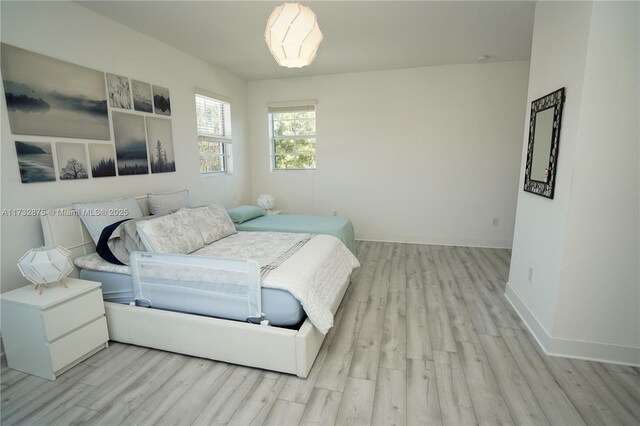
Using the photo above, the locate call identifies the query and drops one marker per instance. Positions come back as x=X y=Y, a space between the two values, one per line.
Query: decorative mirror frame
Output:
x=553 y=100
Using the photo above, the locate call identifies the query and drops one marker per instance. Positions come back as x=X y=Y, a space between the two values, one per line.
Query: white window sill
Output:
x=293 y=170
x=213 y=174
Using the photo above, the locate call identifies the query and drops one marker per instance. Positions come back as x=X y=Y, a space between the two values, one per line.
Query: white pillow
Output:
x=99 y=215
x=168 y=202
x=177 y=233
x=214 y=222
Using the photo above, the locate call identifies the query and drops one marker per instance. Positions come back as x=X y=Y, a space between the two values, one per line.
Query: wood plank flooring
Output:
x=424 y=336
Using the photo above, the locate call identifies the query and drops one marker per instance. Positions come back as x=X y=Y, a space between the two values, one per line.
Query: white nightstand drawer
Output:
x=70 y=315
x=78 y=343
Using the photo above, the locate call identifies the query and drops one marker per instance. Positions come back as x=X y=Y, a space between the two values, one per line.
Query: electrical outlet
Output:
x=530 y=274
x=495 y=221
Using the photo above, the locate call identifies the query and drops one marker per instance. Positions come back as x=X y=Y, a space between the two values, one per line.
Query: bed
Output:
x=289 y=350
x=339 y=227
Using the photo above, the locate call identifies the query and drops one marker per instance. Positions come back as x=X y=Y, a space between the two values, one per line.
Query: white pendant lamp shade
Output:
x=293 y=35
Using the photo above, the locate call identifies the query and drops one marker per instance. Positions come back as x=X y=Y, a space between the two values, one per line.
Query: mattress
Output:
x=339 y=227
x=314 y=269
x=279 y=306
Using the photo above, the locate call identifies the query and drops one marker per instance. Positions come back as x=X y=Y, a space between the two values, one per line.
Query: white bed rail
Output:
x=166 y=280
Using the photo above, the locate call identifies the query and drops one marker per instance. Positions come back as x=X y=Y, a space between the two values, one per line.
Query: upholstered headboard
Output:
x=63 y=227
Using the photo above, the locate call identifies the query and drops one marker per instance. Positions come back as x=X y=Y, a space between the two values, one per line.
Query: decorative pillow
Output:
x=119 y=240
x=168 y=202
x=244 y=213
x=177 y=233
x=97 y=216
x=214 y=222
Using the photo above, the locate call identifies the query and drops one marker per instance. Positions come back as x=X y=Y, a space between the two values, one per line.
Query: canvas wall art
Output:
x=103 y=160
x=142 y=100
x=131 y=144
x=119 y=93
x=161 y=100
x=160 y=138
x=50 y=97
x=35 y=160
x=72 y=161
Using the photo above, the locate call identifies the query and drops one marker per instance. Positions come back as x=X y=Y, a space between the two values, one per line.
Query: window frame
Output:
x=222 y=155
x=225 y=141
x=273 y=138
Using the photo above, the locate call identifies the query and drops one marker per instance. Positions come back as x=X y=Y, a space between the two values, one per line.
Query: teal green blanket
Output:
x=339 y=227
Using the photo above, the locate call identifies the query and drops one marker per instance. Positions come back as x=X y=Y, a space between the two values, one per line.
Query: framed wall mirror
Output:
x=544 y=141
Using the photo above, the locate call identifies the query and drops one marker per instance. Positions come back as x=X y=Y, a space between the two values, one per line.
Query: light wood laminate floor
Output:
x=424 y=336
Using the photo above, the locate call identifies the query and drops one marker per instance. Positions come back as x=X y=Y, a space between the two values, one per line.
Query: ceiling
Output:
x=358 y=35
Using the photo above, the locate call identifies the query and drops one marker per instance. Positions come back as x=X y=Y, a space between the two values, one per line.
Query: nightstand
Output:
x=47 y=334
x=274 y=211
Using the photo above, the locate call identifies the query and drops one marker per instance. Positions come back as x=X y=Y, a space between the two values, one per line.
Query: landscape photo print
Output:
x=161 y=100
x=131 y=144
x=35 y=160
x=161 y=153
x=141 y=96
x=72 y=161
x=119 y=92
x=49 y=97
x=103 y=160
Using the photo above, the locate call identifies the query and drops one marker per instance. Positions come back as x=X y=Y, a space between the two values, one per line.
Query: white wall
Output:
x=584 y=245
x=73 y=33
x=600 y=279
x=425 y=155
x=558 y=57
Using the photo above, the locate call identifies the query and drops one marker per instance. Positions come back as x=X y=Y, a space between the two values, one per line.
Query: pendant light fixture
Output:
x=293 y=35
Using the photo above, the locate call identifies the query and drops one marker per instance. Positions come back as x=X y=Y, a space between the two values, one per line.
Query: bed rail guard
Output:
x=197 y=284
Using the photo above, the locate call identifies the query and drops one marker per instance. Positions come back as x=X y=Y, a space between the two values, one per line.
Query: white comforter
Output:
x=316 y=274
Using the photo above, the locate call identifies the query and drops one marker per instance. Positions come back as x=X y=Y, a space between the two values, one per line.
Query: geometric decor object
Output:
x=266 y=201
x=293 y=35
x=43 y=266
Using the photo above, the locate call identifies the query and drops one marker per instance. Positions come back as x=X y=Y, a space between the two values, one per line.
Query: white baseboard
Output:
x=595 y=351
x=535 y=327
x=417 y=239
x=568 y=348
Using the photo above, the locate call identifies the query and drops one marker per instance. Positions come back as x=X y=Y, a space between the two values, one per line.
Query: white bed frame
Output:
x=270 y=348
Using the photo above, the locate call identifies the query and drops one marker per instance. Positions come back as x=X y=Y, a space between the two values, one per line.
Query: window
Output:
x=214 y=134
x=293 y=137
